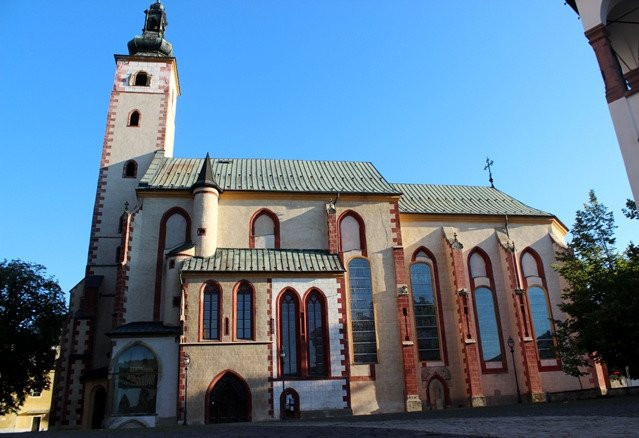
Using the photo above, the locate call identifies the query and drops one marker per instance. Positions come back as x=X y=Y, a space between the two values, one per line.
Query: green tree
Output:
x=32 y=311
x=631 y=209
x=602 y=300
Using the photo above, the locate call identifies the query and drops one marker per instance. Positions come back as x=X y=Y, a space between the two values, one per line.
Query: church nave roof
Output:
x=270 y=175
x=451 y=199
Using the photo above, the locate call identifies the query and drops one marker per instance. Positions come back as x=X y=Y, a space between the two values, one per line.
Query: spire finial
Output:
x=152 y=42
x=488 y=165
x=206 y=178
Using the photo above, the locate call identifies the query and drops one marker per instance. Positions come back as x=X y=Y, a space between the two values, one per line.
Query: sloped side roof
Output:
x=265 y=260
x=446 y=199
x=144 y=328
x=246 y=174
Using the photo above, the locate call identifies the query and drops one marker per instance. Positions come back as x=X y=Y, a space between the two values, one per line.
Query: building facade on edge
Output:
x=612 y=29
x=250 y=289
x=33 y=415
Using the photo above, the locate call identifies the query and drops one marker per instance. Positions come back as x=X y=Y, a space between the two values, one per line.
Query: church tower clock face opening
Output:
x=225 y=289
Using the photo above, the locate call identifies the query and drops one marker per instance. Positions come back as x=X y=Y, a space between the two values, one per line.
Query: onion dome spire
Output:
x=152 y=42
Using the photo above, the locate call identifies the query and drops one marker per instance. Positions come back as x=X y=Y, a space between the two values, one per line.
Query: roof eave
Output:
x=573 y=5
x=185 y=189
x=271 y=272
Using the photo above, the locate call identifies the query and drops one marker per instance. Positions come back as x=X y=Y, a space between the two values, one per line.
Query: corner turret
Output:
x=206 y=193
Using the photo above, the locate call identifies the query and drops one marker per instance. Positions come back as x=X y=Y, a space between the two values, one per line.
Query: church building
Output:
x=226 y=289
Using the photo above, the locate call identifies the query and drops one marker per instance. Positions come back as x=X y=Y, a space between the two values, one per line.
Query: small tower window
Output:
x=130 y=169
x=141 y=79
x=134 y=118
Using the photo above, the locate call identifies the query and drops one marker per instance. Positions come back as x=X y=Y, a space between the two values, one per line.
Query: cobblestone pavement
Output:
x=608 y=417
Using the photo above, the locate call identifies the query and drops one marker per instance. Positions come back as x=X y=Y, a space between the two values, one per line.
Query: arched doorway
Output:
x=437 y=393
x=289 y=404
x=228 y=400
x=99 y=405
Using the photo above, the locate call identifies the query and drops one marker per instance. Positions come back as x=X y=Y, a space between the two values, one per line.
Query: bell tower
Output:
x=140 y=124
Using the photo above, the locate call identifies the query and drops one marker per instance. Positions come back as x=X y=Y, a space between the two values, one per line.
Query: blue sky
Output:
x=424 y=89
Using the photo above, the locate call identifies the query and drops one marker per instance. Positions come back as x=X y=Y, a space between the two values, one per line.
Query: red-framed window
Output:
x=289 y=340
x=316 y=334
x=264 y=230
x=244 y=303
x=427 y=307
x=175 y=229
x=539 y=309
x=352 y=233
x=211 y=308
x=362 y=309
x=303 y=334
x=486 y=310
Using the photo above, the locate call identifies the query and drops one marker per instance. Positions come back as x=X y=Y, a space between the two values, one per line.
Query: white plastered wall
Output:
x=146 y=230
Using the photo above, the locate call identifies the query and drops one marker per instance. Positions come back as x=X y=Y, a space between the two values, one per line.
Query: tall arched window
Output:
x=130 y=169
x=539 y=304
x=431 y=337
x=211 y=312
x=135 y=381
x=289 y=334
x=315 y=331
x=486 y=312
x=362 y=313
x=265 y=230
x=244 y=327
x=352 y=235
x=541 y=323
x=175 y=229
x=134 y=118
x=487 y=325
x=425 y=311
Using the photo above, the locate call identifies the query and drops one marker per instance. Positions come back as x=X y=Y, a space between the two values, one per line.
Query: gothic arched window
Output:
x=244 y=327
x=362 y=313
x=211 y=312
x=289 y=334
x=539 y=304
x=421 y=278
x=486 y=311
x=352 y=236
x=487 y=325
x=315 y=331
x=135 y=381
x=541 y=323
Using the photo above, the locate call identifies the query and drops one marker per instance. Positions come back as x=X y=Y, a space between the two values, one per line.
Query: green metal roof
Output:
x=265 y=260
x=247 y=174
x=144 y=328
x=445 y=199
